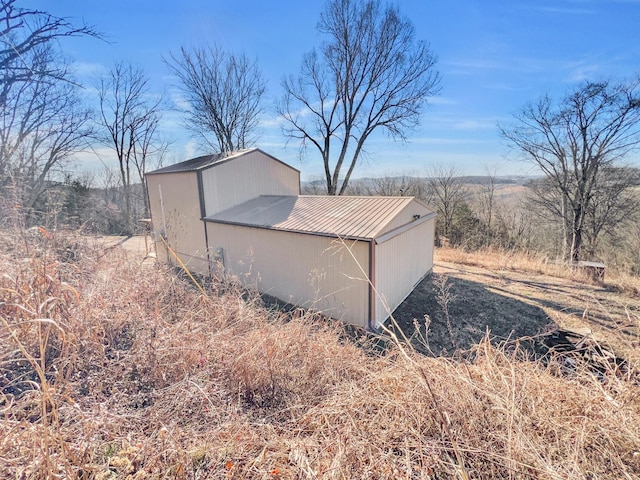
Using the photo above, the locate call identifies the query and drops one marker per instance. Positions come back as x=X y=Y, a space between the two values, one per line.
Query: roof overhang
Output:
x=208 y=161
x=403 y=228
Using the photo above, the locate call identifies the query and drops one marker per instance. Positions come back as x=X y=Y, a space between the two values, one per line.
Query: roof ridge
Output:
x=202 y=161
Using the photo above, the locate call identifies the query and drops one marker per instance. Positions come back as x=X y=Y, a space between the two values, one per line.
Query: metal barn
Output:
x=181 y=195
x=351 y=258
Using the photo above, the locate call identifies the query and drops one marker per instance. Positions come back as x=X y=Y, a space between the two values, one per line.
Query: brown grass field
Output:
x=113 y=367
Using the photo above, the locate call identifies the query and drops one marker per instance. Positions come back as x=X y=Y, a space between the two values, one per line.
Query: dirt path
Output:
x=512 y=305
x=139 y=246
x=137 y=243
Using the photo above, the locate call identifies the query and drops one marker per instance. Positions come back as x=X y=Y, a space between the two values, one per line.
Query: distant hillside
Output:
x=368 y=185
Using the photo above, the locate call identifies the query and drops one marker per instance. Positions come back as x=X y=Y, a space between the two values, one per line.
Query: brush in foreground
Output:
x=110 y=368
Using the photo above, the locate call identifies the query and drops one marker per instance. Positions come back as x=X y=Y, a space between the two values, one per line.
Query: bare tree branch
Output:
x=371 y=74
x=589 y=132
x=23 y=31
x=224 y=93
x=447 y=191
x=42 y=123
x=130 y=116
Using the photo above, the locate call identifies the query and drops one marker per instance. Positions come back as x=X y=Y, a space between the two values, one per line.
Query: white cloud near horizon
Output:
x=88 y=69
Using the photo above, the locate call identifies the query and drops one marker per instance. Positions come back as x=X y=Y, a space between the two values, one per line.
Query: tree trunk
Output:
x=127 y=203
x=576 y=234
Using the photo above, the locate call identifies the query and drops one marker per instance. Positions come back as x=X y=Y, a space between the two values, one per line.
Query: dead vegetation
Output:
x=538 y=264
x=113 y=368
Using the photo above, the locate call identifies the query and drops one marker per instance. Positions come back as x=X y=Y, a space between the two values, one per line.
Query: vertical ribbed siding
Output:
x=400 y=263
x=248 y=176
x=306 y=270
x=184 y=231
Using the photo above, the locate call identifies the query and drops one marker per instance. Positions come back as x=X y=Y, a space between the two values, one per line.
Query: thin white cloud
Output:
x=178 y=99
x=575 y=70
x=474 y=67
x=172 y=121
x=461 y=121
x=475 y=124
x=470 y=66
x=190 y=149
x=86 y=69
x=442 y=101
x=502 y=86
x=445 y=141
x=582 y=70
x=273 y=121
x=418 y=163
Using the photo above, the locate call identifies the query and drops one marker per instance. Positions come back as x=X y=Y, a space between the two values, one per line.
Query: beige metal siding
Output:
x=181 y=217
x=406 y=215
x=307 y=270
x=248 y=176
x=400 y=264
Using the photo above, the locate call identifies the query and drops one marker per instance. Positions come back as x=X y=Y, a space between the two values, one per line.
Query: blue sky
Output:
x=493 y=56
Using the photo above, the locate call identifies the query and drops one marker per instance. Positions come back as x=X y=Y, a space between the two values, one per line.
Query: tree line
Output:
x=506 y=214
x=369 y=74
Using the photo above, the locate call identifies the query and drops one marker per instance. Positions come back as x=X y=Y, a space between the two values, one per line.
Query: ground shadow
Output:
x=473 y=308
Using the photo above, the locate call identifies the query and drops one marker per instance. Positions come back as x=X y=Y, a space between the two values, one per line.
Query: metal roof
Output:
x=206 y=161
x=349 y=217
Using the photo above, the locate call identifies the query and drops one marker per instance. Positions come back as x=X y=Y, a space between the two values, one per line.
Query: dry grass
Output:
x=114 y=369
x=508 y=260
x=536 y=263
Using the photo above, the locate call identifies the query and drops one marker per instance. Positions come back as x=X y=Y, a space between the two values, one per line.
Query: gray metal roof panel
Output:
x=205 y=161
x=191 y=165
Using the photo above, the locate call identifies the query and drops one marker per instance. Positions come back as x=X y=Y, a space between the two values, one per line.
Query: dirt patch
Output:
x=512 y=305
x=138 y=246
x=137 y=243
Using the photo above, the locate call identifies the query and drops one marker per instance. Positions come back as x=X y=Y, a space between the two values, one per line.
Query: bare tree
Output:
x=42 y=125
x=615 y=197
x=515 y=224
x=42 y=122
x=313 y=186
x=371 y=74
x=402 y=185
x=224 y=92
x=591 y=129
x=447 y=193
x=487 y=202
x=50 y=131
x=130 y=115
x=150 y=150
x=22 y=31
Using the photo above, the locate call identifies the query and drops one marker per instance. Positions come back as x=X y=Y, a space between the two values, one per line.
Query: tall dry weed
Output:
x=114 y=368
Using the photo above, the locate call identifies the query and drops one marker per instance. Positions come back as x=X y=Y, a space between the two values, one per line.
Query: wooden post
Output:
x=146 y=229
